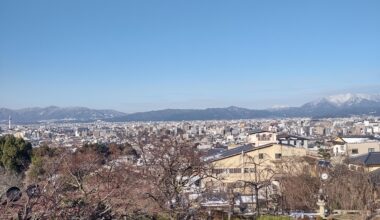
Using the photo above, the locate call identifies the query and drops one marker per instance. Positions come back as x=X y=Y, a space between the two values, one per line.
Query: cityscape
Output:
x=227 y=150
x=190 y=110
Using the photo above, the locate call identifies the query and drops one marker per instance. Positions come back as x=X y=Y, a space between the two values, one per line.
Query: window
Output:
x=371 y=149
x=277 y=156
x=218 y=171
x=249 y=170
x=235 y=170
x=261 y=156
x=354 y=151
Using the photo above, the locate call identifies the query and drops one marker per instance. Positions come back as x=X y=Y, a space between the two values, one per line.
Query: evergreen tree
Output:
x=15 y=153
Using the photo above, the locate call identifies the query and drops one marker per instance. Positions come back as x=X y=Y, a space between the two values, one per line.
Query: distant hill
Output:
x=194 y=114
x=333 y=106
x=54 y=113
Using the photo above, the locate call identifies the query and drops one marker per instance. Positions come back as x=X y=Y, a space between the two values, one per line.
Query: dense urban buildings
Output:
x=301 y=132
x=254 y=160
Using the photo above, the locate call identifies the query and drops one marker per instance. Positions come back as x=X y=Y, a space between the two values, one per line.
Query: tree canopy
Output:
x=15 y=153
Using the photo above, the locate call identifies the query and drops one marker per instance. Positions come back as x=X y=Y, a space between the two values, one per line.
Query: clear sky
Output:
x=142 y=55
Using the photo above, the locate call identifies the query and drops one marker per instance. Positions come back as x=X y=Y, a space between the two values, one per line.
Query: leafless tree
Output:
x=299 y=183
x=349 y=189
x=344 y=189
x=261 y=178
x=79 y=184
x=93 y=183
x=171 y=168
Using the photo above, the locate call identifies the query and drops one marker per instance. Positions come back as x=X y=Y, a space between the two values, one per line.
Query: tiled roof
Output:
x=372 y=158
x=214 y=152
x=244 y=149
x=237 y=150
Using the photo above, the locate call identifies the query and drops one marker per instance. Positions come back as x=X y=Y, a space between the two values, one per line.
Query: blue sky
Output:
x=142 y=55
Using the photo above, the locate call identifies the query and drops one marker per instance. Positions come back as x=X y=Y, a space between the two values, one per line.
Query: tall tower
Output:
x=10 y=123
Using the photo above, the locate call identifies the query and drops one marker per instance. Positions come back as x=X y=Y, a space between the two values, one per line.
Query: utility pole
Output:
x=257 y=192
x=10 y=123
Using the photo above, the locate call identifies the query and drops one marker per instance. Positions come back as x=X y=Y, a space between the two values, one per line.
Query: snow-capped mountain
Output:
x=343 y=105
x=347 y=99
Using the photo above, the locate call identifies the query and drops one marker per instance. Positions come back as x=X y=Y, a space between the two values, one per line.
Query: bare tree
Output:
x=260 y=179
x=349 y=189
x=344 y=189
x=80 y=184
x=171 y=168
x=95 y=182
x=299 y=183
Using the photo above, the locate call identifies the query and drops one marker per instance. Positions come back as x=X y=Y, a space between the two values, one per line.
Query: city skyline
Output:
x=140 y=56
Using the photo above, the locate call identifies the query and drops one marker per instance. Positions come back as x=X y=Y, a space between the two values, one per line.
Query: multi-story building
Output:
x=355 y=145
x=261 y=138
x=247 y=162
x=294 y=140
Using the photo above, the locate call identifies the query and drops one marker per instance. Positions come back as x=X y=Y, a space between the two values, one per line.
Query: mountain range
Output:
x=343 y=105
x=54 y=113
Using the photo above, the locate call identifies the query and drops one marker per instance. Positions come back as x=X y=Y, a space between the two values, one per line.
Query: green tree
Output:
x=15 y=153
x=40 y=158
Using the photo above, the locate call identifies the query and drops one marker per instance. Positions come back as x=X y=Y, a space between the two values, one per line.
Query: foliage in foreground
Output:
x=15 y=153
x=96 y=181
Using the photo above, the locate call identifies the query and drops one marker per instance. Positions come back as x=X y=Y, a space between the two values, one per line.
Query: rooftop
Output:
x=369 y=159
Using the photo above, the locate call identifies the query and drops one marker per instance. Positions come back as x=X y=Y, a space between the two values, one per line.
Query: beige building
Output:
x=261 y=138
x=250 y=163
x=236 y=171
x=355 y=145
